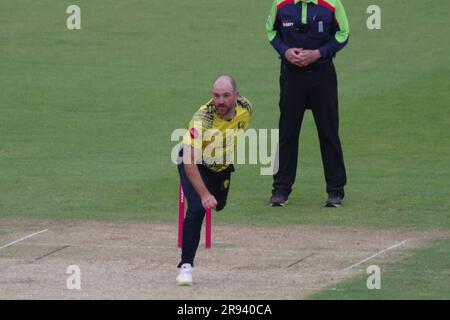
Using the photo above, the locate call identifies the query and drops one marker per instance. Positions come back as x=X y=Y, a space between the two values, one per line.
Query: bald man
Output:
x=206 y=168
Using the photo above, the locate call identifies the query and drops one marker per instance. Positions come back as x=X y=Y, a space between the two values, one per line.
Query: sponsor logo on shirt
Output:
x=193 y=133
x=321 y=26
x=287 y=23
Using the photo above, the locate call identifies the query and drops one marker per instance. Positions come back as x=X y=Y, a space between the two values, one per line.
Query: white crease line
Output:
x=21 y=239
x=373 y=256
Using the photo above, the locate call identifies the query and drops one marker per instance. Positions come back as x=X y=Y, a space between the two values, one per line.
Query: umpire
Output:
x=307 y=34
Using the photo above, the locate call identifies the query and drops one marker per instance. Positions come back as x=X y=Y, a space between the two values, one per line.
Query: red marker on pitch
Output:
x=181 y=210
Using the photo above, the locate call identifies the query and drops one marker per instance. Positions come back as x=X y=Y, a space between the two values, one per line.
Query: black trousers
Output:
x=218 y=185
x=314 y=88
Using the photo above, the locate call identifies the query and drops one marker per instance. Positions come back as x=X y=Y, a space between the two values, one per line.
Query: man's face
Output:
x=224 y=98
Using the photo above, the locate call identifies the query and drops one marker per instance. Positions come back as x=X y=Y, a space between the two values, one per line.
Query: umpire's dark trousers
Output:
x=315 y=88
x=218 y=185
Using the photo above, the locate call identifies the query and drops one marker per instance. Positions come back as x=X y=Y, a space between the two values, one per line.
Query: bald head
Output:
x=225 y=95
x=225 y=81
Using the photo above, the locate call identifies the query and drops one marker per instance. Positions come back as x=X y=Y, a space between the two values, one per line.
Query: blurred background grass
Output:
x=86 y=115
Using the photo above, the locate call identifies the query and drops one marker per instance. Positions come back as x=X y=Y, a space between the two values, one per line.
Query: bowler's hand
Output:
x=208 y=201
x=307 y=57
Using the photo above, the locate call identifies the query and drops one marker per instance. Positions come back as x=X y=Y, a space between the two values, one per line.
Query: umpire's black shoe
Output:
x=334 y=199
x=278 y=200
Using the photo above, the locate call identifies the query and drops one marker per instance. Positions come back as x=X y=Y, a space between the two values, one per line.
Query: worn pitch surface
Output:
x=138 y=260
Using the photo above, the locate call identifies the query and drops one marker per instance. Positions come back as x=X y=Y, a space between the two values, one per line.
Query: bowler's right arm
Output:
x=190 y=167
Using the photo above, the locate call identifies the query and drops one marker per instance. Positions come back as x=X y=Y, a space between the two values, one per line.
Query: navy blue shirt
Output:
x=308 y=24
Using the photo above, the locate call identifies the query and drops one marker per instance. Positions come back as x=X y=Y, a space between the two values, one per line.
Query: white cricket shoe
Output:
x=185 y=276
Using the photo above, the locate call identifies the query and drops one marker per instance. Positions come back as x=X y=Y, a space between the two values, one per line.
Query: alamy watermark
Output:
x=74 y=280
x=73 y=22
x=374 y=280
x=374 y=20
x=230 y=147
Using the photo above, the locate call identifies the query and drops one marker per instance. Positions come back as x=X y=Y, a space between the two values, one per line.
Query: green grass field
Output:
x=413 y=279
x=86 y=115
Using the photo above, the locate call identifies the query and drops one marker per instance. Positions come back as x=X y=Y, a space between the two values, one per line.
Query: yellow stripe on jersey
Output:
x=215 y=136
x=245 y=103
